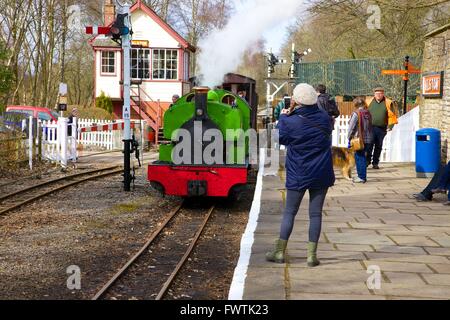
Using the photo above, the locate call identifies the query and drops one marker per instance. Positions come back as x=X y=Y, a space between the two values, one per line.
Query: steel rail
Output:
x=152 y=238
x=45 y=183
x=183 y=260
x=65 y=186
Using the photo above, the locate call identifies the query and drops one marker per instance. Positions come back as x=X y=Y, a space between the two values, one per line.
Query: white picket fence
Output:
x=340 y=133
x=399 y=144
x=56 y=144
x=109 y=140
x=103 y=139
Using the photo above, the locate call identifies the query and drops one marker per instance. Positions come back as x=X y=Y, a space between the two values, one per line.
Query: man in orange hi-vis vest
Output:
x=383 y=119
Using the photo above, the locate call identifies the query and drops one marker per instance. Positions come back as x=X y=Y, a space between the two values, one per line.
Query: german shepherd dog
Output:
x=344 y=158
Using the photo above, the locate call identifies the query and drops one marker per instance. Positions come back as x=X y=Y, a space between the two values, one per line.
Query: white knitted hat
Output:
x=305 y=94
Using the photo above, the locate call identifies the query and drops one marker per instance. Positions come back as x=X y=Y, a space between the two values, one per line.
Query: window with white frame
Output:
x=165 y=64
x=108 y=62
x=140 y=64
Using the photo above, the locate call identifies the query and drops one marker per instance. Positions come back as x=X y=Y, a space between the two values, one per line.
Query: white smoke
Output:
x=222 y=51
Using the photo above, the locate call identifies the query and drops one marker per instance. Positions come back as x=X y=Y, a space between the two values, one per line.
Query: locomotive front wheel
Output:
x=158 y=187
x=236 y=193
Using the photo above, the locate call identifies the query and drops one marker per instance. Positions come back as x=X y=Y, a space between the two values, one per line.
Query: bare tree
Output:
x=161 y=7
x=42 y=48
x=344 y=32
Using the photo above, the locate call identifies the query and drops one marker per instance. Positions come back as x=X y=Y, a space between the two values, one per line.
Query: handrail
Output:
x=158 y=102
x=154 y=116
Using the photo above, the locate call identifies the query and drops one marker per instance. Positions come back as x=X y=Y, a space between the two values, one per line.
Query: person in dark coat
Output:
x=74 y=114
x=439 y=184
x=306 y=132
x=327 y=103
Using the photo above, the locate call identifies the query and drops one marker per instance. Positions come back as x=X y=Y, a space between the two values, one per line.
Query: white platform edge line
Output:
x=240 y=273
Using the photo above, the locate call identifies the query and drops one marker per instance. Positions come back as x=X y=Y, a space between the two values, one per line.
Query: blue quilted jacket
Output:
x=306 y=133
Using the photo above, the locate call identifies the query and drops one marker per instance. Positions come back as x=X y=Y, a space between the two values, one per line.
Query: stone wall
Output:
x=435 y=113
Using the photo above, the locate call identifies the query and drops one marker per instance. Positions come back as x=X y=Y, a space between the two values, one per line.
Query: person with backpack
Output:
x=360 y=128
x=326 y=103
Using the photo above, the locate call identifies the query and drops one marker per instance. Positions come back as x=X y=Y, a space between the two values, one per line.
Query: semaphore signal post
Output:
x=121 y=32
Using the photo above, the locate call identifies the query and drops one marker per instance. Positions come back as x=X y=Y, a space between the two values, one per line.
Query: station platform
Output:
x=365 y=227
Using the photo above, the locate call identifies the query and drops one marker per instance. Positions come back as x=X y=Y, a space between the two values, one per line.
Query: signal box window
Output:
x=108 y=62
x=140 y=64
x=165 y=64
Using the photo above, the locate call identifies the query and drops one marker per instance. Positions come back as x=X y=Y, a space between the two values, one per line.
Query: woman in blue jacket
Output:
x=306 y=132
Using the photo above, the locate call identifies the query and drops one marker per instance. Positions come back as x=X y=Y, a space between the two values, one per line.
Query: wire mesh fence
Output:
x=358 y=77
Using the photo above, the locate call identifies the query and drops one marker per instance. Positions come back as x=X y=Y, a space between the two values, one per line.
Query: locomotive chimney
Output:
x=201 y=103
x=109 y=12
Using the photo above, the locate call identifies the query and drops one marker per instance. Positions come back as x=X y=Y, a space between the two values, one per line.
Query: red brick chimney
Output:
x=109 y=12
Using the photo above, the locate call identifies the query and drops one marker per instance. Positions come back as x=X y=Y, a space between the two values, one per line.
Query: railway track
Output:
x=19 y=198
x=99 y=153
x=168 y=265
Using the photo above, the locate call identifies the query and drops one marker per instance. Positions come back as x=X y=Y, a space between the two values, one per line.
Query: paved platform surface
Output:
x=376 y=224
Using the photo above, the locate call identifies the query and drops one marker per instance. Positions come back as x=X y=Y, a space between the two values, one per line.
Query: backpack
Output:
x=326 y=103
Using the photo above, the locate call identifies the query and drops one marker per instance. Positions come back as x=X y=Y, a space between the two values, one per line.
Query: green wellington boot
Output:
x=312 y=255
x=278 y=254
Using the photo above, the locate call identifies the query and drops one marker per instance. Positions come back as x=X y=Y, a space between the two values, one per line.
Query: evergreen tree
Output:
x=104 y=102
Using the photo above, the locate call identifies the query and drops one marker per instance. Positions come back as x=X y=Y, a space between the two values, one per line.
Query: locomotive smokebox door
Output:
x=197 y=188
x=198 y=125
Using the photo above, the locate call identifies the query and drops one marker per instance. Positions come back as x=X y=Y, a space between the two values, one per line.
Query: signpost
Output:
x=409 y=69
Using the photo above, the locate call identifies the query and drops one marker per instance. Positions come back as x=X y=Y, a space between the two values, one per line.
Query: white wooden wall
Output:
x=399 y=144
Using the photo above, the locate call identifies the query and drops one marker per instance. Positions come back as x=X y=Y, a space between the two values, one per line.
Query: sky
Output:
x=276 y=37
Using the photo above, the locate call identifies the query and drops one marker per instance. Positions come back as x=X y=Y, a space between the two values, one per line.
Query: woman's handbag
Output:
x=358 y=143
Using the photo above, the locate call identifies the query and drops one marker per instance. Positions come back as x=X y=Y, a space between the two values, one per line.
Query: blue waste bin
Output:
x=428 y=152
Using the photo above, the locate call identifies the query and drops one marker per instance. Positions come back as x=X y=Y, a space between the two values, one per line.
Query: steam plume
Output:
x=222 y=50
